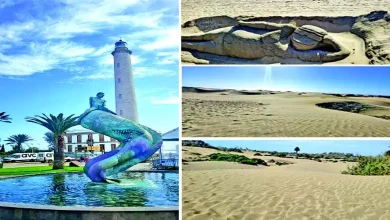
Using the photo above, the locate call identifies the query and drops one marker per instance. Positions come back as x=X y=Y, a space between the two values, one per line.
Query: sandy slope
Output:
x=191 y=9
x=304 y=190
x=288 y=114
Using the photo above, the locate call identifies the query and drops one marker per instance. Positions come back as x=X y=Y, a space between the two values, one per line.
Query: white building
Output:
x=170 y=148
x=126 y=103
x=76 y=141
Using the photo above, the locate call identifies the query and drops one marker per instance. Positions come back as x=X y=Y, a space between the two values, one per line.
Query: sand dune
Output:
x=287 y=114
x=303 y=190
x=192 y=9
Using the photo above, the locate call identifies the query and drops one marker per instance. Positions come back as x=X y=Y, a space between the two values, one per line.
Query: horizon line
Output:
x=323 y=92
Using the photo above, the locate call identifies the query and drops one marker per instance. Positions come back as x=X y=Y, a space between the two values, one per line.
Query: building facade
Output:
x=76 y=142
x=126 y=103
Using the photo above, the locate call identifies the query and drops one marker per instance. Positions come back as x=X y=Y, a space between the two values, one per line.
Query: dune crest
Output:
x=235 y=113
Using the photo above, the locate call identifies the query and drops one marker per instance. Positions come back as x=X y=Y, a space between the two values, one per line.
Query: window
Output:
x=117 y=65
x=119 y=80
x=121 y=112
x=79 y=148
x=69 y=148
x=113 y=146
x=101 y=138
x=78 y=138
x=120 y=96
x=102 y=148
x=69 y=138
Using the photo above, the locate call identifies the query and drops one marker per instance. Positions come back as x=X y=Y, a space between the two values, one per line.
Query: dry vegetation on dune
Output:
x=232 y=113
x=306 y=189
x=361 y=165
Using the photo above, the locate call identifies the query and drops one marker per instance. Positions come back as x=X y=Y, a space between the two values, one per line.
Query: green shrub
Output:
x=197 y=154
x=257 y=154
x=260 y=161
x=305 y=155
x=379 y=165
x=281 y=155
x=249 y=161
x=234 y=149
x=236 y=158
x=281 y=163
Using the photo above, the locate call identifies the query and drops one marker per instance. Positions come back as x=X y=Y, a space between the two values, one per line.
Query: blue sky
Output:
x=351 y=79
x=54 y=55
x=359 y=147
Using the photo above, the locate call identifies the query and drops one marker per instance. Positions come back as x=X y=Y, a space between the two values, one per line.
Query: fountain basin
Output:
x=140 y=195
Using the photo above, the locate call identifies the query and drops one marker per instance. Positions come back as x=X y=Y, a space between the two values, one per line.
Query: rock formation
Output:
x=259 y=39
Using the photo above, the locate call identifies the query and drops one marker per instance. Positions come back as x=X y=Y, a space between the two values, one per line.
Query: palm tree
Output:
x=297 y=150
x=387 y=153
x=58 y=126
x=18 y=141
x=49 y=138
x=5 y=118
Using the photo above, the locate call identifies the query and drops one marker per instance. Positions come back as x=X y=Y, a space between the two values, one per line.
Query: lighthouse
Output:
x=126 y=103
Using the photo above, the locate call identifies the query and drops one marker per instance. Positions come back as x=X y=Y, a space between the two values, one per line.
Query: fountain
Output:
x=107 y=190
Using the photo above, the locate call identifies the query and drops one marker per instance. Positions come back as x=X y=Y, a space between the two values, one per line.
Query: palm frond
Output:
x=5 y=118
x=56 y=124
x=18 y=140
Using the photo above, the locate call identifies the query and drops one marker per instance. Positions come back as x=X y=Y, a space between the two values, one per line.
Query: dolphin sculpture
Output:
x=137 y=143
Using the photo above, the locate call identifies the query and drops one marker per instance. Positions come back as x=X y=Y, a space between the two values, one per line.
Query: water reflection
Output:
x=136 y=189
x=58 y=190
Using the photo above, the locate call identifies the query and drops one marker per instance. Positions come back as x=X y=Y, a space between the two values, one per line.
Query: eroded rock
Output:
x=308 y=37
x=264 y=40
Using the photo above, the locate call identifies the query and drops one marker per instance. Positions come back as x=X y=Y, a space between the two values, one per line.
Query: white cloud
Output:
x=167 y=101
x=16 y=78
x=168 y=38
x=78 y=18
x=93 y=76
x=68 y=49
x=5 y=3
x=106 y=49
x=26 y=64
x=164 y=58
x=14 y=32
x=136 y=59
x=151 y=71
x=42 y=57
x=44 y=42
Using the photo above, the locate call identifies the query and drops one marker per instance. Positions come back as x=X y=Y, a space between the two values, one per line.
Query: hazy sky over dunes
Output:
x=351 y=79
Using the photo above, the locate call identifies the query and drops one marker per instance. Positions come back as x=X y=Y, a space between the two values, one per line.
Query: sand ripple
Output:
x=278 y=115
x=287 y=192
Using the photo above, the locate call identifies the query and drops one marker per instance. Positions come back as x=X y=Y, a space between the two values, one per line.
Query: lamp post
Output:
x=90 y=142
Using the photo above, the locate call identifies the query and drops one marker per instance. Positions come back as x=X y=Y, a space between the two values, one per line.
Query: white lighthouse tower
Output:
x=126 y=103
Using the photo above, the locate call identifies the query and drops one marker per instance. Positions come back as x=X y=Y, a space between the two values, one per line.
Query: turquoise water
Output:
x=136 y=189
